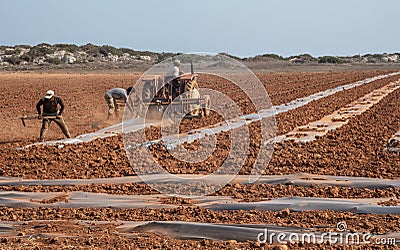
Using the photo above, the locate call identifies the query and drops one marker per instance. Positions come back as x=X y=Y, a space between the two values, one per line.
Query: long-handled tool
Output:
x=34 y=117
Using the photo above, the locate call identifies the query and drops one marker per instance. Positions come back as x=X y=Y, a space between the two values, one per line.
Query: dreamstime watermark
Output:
x=341 y=236
x=208 y=84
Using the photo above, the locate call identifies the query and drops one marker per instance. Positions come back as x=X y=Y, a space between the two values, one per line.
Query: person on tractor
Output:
x=171 y=78
x=173 y=71
x=51 y=113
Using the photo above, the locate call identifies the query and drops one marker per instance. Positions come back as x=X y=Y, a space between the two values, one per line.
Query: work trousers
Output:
x=46 y=124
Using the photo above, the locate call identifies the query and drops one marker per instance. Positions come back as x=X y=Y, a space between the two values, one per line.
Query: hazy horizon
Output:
x=243 y=29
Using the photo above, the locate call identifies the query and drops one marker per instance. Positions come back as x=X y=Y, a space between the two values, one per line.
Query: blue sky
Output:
x=242 y=28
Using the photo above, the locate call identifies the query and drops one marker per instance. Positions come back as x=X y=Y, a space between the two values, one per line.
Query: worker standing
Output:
x=112 y=96
x=51 y=113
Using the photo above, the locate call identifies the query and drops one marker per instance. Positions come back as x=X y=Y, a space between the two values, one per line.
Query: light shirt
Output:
x=117 y=93
x=173 y=71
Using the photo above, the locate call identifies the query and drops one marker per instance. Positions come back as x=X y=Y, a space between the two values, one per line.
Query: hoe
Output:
x=34 y=117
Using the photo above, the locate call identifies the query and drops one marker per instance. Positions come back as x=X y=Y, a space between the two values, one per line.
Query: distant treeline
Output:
x=51 y=54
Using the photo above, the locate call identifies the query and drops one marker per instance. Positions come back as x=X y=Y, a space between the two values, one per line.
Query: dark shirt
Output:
x=50 y=105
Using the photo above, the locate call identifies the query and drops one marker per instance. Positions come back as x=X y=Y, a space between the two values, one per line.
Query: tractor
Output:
x=180 y=95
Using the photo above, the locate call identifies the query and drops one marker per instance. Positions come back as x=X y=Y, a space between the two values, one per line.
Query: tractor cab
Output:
x=181 y=84
x=151 y=83
x=180 y=94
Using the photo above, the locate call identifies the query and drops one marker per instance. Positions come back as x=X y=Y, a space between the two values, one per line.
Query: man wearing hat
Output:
x=171 y=78
x=174 y=71
x=51 y=113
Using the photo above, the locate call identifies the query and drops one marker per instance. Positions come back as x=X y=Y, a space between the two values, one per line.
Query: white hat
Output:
x=176 y=61
x=49 y=94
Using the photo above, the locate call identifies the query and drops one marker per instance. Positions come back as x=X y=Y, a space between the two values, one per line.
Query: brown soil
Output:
x=354 y=150
x=106 y=157
x=105 y=235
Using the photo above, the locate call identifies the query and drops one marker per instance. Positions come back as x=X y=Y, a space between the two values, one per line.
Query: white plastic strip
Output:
x=299 y=179
x=96 y=200
x=253 y=232
x=136 y=124
x=131 y=126
x=266 y=233
x=172 y=141
x=337 y=119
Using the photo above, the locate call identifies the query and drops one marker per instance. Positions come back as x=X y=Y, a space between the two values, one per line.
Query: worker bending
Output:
x=113 y=96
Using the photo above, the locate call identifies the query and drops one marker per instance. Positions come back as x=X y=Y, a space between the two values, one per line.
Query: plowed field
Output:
x=354 y=150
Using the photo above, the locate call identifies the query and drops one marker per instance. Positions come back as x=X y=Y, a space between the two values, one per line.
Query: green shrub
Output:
x=67 y=47
x=23 y=46
x=129 y=51
x=303 y=57
x=161 y=57
x=14 y=60
x=11 y=52
x=27 y=57
x=40 y=50
x=273 y=56
x=91 y=49
x=328 y=59
x=55 y=61
x=105 y=49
